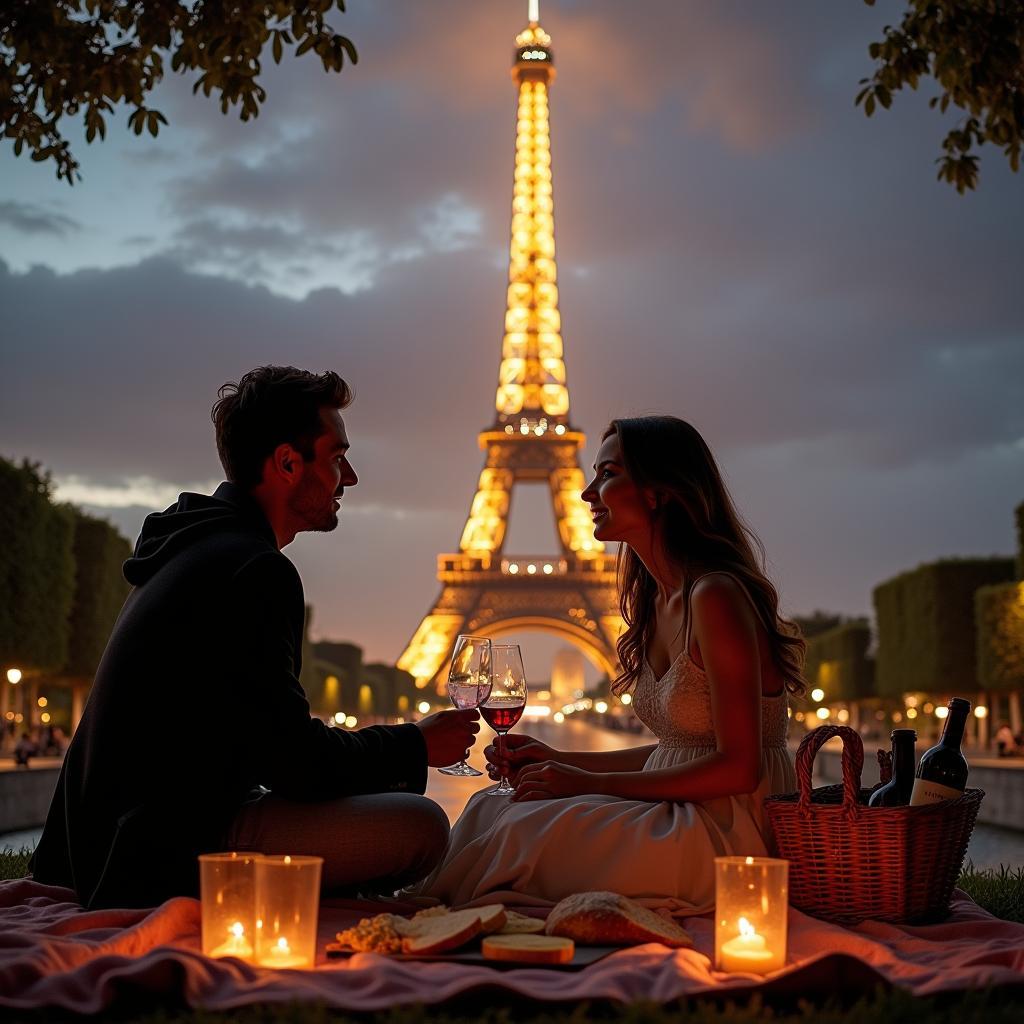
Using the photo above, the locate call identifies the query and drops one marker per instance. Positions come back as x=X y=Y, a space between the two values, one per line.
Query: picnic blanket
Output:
x=55 y=954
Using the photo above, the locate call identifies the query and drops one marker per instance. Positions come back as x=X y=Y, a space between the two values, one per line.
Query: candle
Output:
x=227 y=898
x=280 y=955
x=287 y=905
x=751 y=907
x=235 y=945
x=748 y=951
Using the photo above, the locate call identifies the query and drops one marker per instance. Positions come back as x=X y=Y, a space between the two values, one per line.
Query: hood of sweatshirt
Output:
x=192 y=518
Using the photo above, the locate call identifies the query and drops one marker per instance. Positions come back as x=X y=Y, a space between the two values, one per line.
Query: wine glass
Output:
x=469 y=683
x=504 y=707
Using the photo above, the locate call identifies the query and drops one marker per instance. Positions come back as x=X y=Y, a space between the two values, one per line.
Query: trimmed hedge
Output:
x=926 y=632
x=1019 y=514
x=999 y=618
x=37 y=571
x=838 y=662
x=100 y=591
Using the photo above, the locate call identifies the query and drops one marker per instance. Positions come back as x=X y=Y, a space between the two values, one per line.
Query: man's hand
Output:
x=513 y=753
x=449 y=735
x=549 y=780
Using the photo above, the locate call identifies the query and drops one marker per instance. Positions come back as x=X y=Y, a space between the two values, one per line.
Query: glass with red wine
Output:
x=507 y=700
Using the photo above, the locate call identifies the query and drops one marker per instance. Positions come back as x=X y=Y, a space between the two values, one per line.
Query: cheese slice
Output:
x=529 y=949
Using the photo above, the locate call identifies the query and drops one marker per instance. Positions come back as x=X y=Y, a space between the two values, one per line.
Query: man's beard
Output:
x=314 y=506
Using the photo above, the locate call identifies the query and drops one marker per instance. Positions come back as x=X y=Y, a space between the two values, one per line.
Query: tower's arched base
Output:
x=580 y=605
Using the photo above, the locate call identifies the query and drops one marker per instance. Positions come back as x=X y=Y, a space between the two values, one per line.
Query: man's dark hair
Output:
x=271 y=406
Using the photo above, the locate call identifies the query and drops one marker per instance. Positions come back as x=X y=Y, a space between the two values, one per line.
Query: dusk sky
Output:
x=737 y=244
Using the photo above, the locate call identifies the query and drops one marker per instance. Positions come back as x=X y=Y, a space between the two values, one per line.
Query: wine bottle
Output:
x=942 y=772
x=896 y=792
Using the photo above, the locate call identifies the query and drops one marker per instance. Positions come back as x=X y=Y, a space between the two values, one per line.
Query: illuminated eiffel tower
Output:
x=484 y=589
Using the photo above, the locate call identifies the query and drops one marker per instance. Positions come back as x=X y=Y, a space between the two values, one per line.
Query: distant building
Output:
x=567 y=675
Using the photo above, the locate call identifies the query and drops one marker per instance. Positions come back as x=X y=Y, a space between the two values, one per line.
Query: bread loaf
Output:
x=608 y=919
x=528 y=949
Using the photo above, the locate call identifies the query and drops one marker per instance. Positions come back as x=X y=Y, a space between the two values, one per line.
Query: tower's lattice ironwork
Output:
x=483 y=588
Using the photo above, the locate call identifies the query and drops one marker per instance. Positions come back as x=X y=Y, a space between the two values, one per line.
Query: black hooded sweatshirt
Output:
x=196 y=704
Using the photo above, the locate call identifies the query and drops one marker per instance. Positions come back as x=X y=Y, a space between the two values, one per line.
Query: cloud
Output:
x=33 y=219
x=131 y=492
x=290 y=258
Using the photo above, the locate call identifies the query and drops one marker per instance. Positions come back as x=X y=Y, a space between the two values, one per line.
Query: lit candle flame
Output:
x=236 y=944
x=746 y=928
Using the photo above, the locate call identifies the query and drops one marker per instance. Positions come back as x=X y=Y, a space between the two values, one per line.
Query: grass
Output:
x=14 y=863
x=1001 y=892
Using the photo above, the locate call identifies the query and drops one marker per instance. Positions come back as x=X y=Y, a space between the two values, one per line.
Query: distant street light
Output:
x=14 y=676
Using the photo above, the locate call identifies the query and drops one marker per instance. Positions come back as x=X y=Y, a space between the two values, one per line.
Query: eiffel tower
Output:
x=484 y=589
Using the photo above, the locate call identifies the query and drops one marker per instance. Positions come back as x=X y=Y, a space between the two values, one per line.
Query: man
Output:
x=196 y=710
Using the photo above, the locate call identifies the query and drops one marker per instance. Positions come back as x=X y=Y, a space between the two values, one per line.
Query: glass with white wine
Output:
x=469 y=684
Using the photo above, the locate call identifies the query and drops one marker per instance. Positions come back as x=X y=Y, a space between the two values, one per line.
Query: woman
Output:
x=709 y=664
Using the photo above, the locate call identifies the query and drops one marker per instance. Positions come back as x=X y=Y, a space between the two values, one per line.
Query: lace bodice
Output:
x=677 y=707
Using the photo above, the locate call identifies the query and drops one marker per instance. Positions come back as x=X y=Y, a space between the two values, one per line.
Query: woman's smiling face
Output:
x=620 y=509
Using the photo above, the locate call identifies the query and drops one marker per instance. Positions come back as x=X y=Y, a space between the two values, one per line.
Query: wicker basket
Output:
x=849 y=862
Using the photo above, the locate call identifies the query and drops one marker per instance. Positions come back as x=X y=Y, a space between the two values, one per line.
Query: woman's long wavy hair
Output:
x=699 y=531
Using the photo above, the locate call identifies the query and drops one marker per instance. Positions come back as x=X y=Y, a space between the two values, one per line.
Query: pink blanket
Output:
x=55 y=954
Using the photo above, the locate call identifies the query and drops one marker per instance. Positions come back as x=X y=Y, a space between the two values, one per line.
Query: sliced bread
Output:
x=520 y=924
x=443 y=932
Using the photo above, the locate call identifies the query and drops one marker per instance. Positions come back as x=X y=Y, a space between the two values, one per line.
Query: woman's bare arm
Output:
x=519 y=750
x=626 y=759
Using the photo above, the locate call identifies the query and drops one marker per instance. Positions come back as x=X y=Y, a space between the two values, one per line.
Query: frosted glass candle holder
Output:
x=227 y=890
x=287 y=906
x=751 y=912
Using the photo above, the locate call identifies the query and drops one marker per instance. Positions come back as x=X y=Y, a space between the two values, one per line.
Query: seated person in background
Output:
x=196 y=711
x=1005 y=742
x=25 y=749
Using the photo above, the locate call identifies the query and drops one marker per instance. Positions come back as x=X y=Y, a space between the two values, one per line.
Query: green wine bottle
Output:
x=942 y=772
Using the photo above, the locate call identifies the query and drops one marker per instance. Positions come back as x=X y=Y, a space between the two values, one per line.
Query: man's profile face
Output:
x=315 y=500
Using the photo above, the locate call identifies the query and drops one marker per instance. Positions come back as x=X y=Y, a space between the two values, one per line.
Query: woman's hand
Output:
x=509 y=754
x=549 y=780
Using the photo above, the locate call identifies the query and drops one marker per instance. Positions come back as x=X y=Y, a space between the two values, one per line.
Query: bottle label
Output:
x=926 y=792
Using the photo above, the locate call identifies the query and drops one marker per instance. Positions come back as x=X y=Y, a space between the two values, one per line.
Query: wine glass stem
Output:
x=504 y=784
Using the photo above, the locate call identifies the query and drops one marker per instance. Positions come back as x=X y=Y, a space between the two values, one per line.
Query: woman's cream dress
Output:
x=537 y=852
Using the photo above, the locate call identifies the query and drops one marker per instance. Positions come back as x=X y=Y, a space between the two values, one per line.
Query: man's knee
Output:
x=429 y=825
